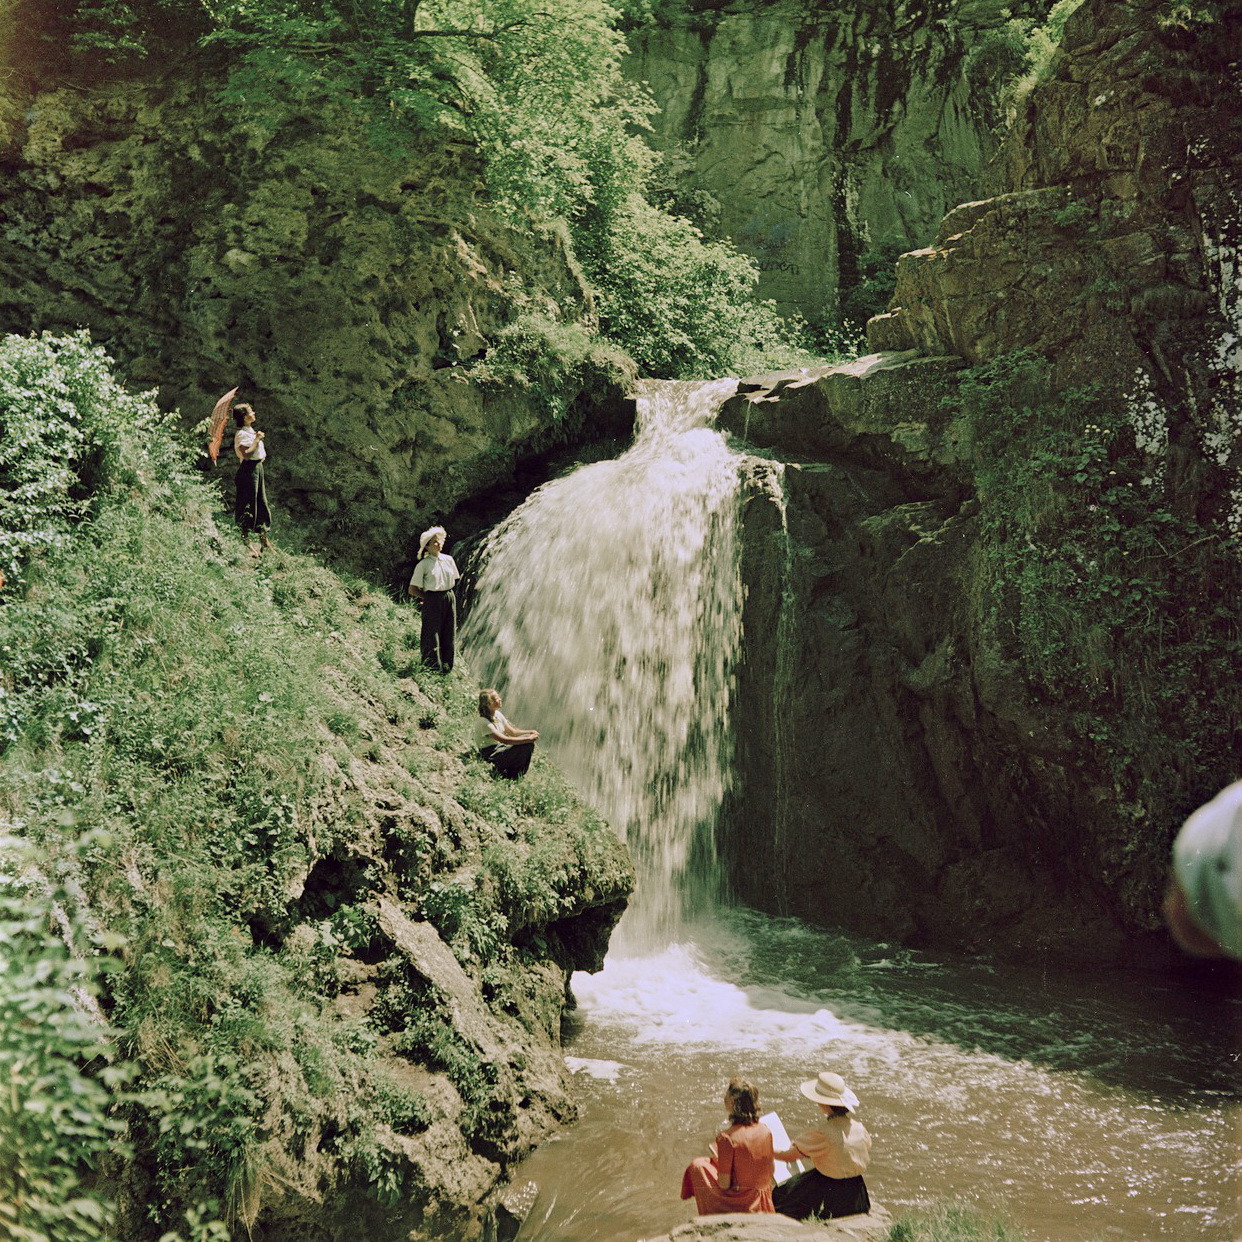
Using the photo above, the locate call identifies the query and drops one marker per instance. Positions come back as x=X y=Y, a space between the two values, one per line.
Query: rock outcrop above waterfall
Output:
x=345 y=290
x=817 y=133
x=1001 y=635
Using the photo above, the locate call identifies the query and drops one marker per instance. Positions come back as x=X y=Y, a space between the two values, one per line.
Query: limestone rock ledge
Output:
x=763 y=1227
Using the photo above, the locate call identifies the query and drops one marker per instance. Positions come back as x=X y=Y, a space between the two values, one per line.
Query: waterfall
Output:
x=783 y=680
x=608 y=614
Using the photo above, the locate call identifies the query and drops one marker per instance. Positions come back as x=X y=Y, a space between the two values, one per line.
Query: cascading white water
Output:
x=608 y=614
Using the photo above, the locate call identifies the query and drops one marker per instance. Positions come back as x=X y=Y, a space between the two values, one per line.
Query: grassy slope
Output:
x=226 y=763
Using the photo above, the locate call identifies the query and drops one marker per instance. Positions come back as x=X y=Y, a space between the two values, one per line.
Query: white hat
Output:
x=427 y=536
x=1207 y=863
x=830 y=1088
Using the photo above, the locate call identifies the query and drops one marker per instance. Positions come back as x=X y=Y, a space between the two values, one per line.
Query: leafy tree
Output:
x=536 y=87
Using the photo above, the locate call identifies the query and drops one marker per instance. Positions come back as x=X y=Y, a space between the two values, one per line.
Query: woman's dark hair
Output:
x=743 y=1100
x=239 y=414
x=837 y=1110
x=486 y=710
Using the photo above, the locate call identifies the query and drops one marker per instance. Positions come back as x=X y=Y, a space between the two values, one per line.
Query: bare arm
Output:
x=241 y=455
x=512 y=735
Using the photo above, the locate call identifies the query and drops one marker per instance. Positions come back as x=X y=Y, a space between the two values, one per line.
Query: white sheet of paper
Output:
x=780 y=1140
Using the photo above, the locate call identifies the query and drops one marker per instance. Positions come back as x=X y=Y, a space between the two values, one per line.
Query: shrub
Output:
x=1042 y=43
x=68 y=432
x=554 y=359
x=57 y=1062
x=681 y=305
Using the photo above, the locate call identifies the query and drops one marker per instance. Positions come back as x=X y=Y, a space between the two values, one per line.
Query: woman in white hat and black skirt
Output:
x=838 y=1146
x=432 y=581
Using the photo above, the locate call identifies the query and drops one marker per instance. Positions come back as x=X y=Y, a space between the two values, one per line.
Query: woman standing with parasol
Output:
x=250 y=508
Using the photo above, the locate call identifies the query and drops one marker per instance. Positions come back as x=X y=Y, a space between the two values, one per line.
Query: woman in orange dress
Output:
x=737 y=1176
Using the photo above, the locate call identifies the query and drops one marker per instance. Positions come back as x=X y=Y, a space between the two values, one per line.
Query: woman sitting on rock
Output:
x=838 y=1146
x=737 y=1177
x=507 y=749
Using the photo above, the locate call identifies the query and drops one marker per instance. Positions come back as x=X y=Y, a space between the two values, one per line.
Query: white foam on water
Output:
x=672 y=998
x=602 y=1071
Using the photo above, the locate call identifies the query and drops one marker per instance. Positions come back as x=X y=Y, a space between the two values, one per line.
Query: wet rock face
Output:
x=1115 y=251
x=911 y=776
x=872 y=727
x=343 y=288
x=825 y=131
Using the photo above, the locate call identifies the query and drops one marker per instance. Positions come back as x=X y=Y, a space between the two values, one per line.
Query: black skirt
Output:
x=812 y=1194
x=251 y=509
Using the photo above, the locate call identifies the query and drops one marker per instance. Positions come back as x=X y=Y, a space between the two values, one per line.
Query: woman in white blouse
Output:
x=507 y=749
x=432 y=582
x=250 y=507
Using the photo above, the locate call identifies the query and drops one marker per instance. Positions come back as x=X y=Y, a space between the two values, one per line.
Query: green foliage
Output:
x=534 y=89
x=952 y=1222
x=205 y=1120
x=56 y=1062
x=430 y=1038
x=1200 y=18
x=543 y=355
x=541 y=882
x=877 y=278
x=68 y=432
x=997 y=55
x=1042 y=42
x=159 y=684
x=1111 y=598
x=471 y=930
x=681 y=305
x=1077 y=214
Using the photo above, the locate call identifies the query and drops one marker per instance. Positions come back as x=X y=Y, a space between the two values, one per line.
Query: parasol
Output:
x=219 y=416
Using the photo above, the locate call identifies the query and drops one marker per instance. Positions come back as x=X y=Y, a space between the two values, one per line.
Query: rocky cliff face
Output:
x=827 y=131
x=341 y=286
x=989 y=640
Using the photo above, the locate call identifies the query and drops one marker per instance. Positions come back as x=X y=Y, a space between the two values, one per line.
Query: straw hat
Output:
x=830 y=1088
x=426 y=537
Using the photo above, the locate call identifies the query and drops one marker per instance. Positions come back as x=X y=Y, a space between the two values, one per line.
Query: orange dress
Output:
x=745 y=1154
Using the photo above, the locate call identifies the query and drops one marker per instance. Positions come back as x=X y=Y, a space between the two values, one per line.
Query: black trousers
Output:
x=510 y=762
x=439 y=629
x=813 y=1194
x=250 y=508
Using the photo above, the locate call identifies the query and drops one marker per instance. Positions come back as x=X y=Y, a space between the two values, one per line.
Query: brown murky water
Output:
x=1086 y=1108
